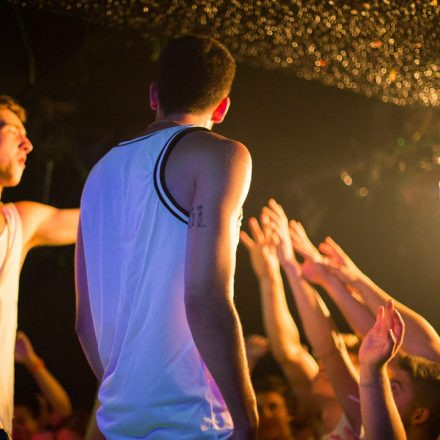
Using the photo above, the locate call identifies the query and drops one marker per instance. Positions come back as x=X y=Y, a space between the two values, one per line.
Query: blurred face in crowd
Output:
x=14 y=148
x=25 y=425
x=403 y=392
x=274 y=416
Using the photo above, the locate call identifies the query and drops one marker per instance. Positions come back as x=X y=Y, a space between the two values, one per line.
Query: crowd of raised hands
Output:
x=382 y=382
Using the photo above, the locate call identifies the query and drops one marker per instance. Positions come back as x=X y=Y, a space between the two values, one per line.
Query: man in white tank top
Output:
x=23 y=225
x=155 y=260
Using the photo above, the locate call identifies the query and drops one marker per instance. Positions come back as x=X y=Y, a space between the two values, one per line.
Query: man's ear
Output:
x=220 y=111
x=154 y=97
x=420 y=415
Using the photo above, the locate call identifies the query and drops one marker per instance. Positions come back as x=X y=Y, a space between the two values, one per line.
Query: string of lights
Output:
x=381 y=48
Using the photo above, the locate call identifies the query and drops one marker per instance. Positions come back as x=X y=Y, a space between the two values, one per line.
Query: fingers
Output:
x=398 y=328
x=378 y=325
x=389 y=313
x=257 y=233
x=276 y=207
x=272 y=217
x=326 y=249
x=328 y=240
x=246 y=240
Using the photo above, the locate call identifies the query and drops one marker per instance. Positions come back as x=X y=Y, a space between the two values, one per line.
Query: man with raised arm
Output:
x=23 y=225
x=380 y=416
x=160 y=218
x=320 y=330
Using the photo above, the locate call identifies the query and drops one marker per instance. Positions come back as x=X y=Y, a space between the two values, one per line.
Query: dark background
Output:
x=86 y=88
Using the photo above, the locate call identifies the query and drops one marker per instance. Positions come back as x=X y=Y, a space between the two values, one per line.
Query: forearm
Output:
x=217 y=333
x=283 y=333
x=380 y=417
x=315 y=316
x=50 y=388
x=326 y=343
x=420 y=339
x=355 y=310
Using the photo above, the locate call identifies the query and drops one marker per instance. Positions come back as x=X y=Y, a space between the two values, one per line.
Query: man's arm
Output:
x=318 y=324
x=298 y=366
x=221 y=185
x=380 y=416
x=51 y=389
x=84 y=322
x=351 y=305
x=421 y=339
x=45 y=225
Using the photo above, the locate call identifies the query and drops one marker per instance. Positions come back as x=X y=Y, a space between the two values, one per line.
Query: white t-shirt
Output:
x=11 y=245
x=155 y=384
x=339 y=429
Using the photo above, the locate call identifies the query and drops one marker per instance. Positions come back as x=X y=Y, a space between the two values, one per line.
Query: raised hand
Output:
x=383 y=341
x=261 y=249
x=274 y=217
x=24 y=352
x=338 y=262
x=257 y=347
x=302 y=243
x=313 y=268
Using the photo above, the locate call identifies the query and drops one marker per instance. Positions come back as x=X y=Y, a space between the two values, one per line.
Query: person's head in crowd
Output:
x=195 y=76
x=14 y=143
x=322 y=386
x=27 y=420
x=74 y=427
x=415 y=383
x=275 y=405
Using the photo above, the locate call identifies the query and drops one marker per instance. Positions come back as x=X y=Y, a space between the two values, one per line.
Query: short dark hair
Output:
x=425 y=377
x=194 y=73
x=29 y=401
x=276 y=384
x=11 y=104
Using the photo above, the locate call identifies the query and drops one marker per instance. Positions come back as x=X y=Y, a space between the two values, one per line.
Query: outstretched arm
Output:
x=221 y=185
x=45 y=225
x=297 y=364
x=380 y=417
x=318 y=324
x=51 y=389
x=351 y=305
x=421 y=339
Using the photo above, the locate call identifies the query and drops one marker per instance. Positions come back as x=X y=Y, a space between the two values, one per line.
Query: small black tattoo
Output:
x=196 y=218
x=200 y=223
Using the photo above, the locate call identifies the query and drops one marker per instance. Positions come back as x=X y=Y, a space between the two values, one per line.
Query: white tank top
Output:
x=11 y=245
x=155 y=384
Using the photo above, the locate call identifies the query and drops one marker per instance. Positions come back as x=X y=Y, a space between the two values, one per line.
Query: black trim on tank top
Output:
x=164 y=155
x=132 y=141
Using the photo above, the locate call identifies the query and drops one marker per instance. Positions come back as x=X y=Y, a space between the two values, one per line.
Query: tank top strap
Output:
x=159 y=174
x=13 y=225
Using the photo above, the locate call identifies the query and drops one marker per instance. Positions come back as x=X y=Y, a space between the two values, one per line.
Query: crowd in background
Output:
x=381 y=381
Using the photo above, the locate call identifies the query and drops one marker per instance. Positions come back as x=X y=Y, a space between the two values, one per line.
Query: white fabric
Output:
x=339 y=429
x=155 y=384
x=11 y=245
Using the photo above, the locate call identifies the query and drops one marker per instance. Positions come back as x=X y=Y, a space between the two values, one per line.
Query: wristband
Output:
x=37 y=365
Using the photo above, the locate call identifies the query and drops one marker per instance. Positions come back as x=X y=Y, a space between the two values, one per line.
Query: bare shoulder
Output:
x=32 y=215
x=31 y=211
x=27 y=209
x=210 y=150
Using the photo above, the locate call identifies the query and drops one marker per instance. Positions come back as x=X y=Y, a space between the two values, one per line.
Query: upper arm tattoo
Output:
x=196 y=218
